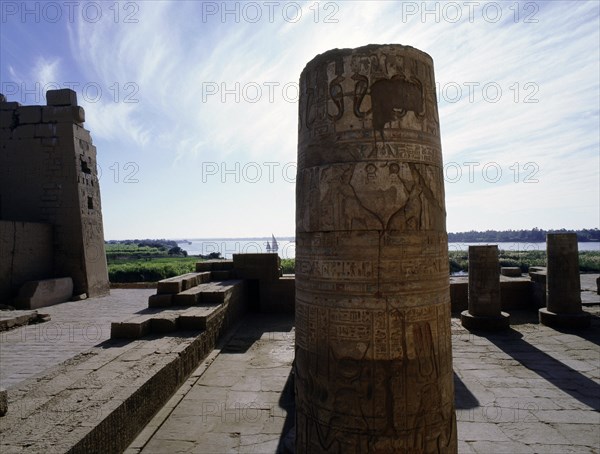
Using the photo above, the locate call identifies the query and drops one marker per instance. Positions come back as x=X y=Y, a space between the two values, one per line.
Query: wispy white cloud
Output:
x=173 y=57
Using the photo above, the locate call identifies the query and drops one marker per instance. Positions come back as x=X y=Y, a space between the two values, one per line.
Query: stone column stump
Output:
x=485 y=312
x=373 y=368
x=563 y=285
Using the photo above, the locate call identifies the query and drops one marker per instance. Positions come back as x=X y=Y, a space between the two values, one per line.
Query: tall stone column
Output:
x=484 y=311
x=373 y=367
x=563 y=285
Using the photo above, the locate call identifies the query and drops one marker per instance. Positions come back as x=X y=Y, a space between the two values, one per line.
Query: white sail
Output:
x=274 y=245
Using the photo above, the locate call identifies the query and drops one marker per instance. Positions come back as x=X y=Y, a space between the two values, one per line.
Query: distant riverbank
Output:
x=287 y=246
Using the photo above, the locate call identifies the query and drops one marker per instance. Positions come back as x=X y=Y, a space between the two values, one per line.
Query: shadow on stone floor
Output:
x=288 y=403
x=590 y=334
x=463 y=398
x=275 y=324
x=554 y=371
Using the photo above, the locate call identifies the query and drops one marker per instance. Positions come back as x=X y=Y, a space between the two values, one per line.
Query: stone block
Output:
x=24 y=132
x=12 y=319
x=459 y=293
x=217 y=292
x=160 y=300
x=514 y=293
x=7 y=119
x=177 y=284
x=66 y=114
x=221 y=275
x=199 y=318
x=163 y=323
x=5 y=134
x=133 y=328
x=204 y=277
x=29 y=114
x=189 y=297
x=278 y=296
x=9 y=105
x=45 y=130
x=3 y=402
x=257 y=266
x=63 y=97
x=214 y=265
x=510 y=271
x=35 y=294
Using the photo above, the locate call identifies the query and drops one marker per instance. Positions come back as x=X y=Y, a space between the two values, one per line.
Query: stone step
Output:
x=221 y=275
x=200 y=318
x=177 y=284
x=169 y=319
x=164 y=300
x=166 y=322
x=99 y=400
x=214 y=265
x=208 y=293
x=132 y=328
x=189 y=297
x=221 y=292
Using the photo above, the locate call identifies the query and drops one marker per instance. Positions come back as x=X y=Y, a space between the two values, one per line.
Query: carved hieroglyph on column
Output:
x=373 y=355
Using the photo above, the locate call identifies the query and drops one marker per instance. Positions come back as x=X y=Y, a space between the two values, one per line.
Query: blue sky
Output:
x=193 y=105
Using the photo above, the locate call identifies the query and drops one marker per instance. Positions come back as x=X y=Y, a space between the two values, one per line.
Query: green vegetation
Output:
x=288 y=265
x=150 y=270
x=518 y=236
x=148 y=260
x=589 y=261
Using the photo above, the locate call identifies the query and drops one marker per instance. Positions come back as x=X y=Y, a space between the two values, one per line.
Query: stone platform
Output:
x=529 y=389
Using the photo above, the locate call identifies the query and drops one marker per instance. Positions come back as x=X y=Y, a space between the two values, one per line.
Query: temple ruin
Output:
x=373 y=363
x=50 y=209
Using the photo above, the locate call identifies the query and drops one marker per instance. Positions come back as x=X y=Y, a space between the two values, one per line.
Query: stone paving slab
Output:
x=238 y=400
x=531 y=389
x=100 y=399
x=74 y=328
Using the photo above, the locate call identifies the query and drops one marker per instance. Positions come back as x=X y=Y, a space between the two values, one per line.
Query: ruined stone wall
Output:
x=48 y=174
x=26 y=254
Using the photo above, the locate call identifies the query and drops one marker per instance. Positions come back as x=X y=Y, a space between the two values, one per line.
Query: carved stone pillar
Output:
x=373 y=354
x=485 y=311
x=563 y=284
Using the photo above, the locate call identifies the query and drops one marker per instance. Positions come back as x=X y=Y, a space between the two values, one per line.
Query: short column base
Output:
x=555 y=320
x=476 y=322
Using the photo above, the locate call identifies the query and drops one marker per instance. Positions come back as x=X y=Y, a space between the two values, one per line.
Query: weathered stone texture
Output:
x=373 y=357
x=46 y=292
x=26 y=254
x=563 y=285
x=48 y=174
x=485 y=304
